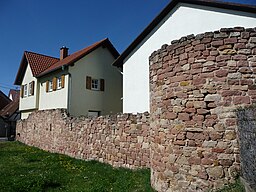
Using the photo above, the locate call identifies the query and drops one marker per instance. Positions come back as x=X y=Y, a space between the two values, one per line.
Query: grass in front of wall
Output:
x=25 y=169
x=236 y=187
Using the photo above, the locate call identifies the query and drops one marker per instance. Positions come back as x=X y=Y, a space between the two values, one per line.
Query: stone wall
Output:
x=121 y=140
x=190 y=138
x=197 y=83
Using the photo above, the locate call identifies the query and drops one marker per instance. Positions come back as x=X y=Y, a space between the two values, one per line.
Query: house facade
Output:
x=85 y=83
x=180 y=18
x=9 y=115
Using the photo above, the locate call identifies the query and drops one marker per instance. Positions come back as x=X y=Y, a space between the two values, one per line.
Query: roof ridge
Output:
x=41 y=54
x=77 y=55
x=92 y=45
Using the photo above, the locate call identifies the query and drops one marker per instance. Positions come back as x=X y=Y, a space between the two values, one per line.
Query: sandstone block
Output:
x=212 y=97
x=215 y=172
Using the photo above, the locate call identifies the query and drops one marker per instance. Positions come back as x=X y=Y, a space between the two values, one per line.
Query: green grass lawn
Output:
x=24 y=168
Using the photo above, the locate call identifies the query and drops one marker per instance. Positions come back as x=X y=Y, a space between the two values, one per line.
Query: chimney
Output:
x=63 y=52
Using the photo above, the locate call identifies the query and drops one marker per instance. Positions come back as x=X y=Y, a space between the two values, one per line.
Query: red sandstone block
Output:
x=202 y=111
x=199 y=81
x=171 y=115
x=239 y=57
x=195 y=71
x=190 y=135
x=226 y=162
x=181 y=136
x=173 y=61
x=179 y=142
x=199 y=47
x=211 y=58
x=183 y=56
x=206 y=40
x=190 y=110
x=214 y=53
x=198 y=118
x=210 y=122
x=217 y=43
x=196 y=66
x=191 y=143
x=200 y=136
x=241 y=100
x=242 y=63
x=230 y=40
x=245 y=35
x=190 y=104
x=233 y=82
x=246 y=82
x=231 y=122
x=223 y=58
x=206 y=161
x=218 y=150
x=181 y=95
x=194 y=161
x=203 y=174
x=207 y=75
x=221 y=73
x=245 y=70
x=215 y=135
x=230 y=93
x=206 y=53
x=252 y=92
x=240 y=46
x=184 y=116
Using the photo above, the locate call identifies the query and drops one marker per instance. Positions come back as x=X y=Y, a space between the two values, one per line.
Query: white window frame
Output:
x=25 y=90
x=59 y=83
x=50 y=86
x=30 y=89
x=95 y=84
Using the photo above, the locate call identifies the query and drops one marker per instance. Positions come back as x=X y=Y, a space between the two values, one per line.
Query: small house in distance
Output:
x=9 y=115
x=85 y=83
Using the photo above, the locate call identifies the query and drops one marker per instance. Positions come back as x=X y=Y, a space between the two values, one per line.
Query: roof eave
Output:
x=21 y=71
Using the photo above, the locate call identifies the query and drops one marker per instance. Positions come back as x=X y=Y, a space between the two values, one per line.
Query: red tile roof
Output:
x=4 y=100
x=38 y=63
x=42 y=64
x=9 y=109
x=79 y=54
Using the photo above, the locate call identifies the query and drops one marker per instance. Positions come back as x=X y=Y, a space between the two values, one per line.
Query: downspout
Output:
x=69 y=93
x=63 y=68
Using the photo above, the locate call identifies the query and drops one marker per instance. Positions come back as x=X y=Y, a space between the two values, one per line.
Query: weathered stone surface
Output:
x=120 y=140
x=190 y=140
x=215 y=172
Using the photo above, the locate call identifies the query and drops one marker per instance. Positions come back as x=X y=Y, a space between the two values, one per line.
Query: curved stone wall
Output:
x=196 y=85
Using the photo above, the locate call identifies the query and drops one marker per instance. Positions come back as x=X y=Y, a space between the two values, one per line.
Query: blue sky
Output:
x=44 y=26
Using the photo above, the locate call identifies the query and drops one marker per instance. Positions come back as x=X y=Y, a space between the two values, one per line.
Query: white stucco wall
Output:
x=28 y=103
x=185 y=19
x=97 y=65
x=53 y=99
